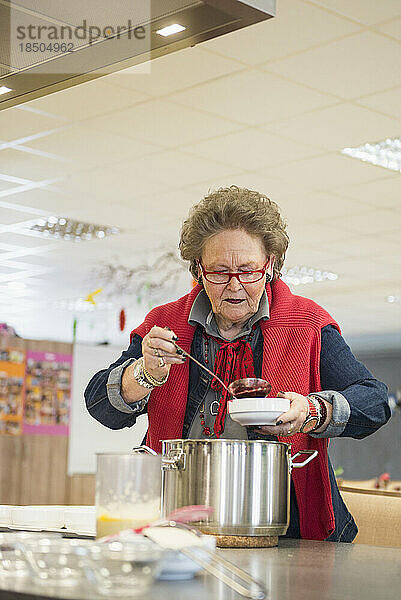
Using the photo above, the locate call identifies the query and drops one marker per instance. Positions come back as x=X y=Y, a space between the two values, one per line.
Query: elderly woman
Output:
x=241 y=320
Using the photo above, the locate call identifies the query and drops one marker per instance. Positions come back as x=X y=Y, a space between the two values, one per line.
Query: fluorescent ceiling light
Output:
x=170 y=30
x=4 y=89
x=385 y=154
x=68 y=229
x=299 y=275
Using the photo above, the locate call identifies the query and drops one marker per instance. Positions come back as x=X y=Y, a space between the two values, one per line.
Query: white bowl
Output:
x=38 y=517
x=81 y=519
x=257 y=411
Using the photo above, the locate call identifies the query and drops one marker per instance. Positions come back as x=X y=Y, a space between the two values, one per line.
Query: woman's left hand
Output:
x=290 y=421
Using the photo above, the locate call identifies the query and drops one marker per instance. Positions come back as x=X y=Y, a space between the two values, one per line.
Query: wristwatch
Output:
x=139 y=376
x=312 y=418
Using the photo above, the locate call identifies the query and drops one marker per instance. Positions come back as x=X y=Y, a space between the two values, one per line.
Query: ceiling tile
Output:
x=360 y=245
x=45 y=199
x=251 y=149
x=111 y=214
x=296 y=26
x=369 y=222
x=317 y=232
x=6 y=185
x=280 y=191
x=367 y=12
x=305 y=207
x=175 y=71
x=23 y=240
x=85 y=146
x=386 y=102
x=175 y=169
x=360 y=64
x=87 y=100
x=392 y=28
x=252 y=97
x=337 y=127
x=8 y=217
x=327 y=172
x=322 y=258
x=383 y=193
x=16 y=124
x=36 y=168
x=164 y=123
x=100 y=186
x=170 y=205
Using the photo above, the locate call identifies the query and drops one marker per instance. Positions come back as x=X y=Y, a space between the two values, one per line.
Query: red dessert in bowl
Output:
x=250 y=387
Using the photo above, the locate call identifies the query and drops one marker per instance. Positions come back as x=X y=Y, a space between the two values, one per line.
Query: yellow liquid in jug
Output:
x=106 y=525
x=110 y=522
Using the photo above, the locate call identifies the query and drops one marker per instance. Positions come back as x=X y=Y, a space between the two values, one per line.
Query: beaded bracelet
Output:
x=323 y=411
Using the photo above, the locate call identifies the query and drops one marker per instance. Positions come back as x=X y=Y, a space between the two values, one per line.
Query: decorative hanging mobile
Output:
x=122 y=319
x=90 y=297
x=147 y=282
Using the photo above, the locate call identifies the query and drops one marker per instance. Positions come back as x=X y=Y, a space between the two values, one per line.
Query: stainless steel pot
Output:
x=246 y=482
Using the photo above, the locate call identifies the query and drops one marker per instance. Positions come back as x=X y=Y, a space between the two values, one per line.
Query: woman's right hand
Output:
x=157 y=348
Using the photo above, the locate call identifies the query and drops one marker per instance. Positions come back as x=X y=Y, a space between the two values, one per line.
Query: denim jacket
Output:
x=360 y=406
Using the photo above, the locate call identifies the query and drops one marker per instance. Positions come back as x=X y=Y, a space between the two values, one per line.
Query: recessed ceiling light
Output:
x=68 y=229
x=385 y=154
x=393 y=298
x=4 y=89
x=299 y=275
x=170 y=30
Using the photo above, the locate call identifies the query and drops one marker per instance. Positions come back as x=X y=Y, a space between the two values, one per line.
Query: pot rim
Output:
x=226 y=440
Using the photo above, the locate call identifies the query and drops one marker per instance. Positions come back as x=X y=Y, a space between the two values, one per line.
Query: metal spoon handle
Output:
x=185 y=353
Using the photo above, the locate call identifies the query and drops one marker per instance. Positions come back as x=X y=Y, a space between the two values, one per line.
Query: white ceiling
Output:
x=269 y=107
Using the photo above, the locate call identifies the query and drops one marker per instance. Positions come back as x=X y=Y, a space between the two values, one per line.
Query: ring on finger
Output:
x=161 y=362
x=156 y=352
x=290 y=429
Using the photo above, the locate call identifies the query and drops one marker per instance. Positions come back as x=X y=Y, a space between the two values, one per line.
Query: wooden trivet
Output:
x=246 y=541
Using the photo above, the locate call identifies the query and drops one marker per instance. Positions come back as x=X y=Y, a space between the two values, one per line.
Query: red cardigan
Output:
x=291 y=359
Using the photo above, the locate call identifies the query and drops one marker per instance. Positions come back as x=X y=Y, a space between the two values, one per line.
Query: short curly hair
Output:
x=234 y=208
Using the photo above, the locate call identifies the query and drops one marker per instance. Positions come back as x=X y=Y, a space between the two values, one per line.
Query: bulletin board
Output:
x=12 y=373
x=47 y=393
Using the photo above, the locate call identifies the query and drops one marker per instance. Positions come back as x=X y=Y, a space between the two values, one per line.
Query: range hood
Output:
x=49 y=45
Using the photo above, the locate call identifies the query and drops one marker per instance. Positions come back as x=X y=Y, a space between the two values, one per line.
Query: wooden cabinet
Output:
x=33 y=469
x=10 y=468
x=81 y=489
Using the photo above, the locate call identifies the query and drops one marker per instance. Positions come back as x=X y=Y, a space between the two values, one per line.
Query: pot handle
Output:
x=313 y=454
x=144 y=449
x=174 y=462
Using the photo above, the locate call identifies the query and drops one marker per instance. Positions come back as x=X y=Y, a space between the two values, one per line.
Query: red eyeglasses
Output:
x=219 y=277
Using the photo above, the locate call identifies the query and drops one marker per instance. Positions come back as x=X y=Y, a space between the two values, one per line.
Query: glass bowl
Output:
x=251 y=387
x=124 y=567
x=13 y=562
x=56 y=561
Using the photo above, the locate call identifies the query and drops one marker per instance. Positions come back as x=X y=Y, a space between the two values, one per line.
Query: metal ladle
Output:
x=229 y=389
x=183 y=352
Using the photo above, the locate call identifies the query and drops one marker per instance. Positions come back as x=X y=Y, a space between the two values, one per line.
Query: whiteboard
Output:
x=88 y=436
